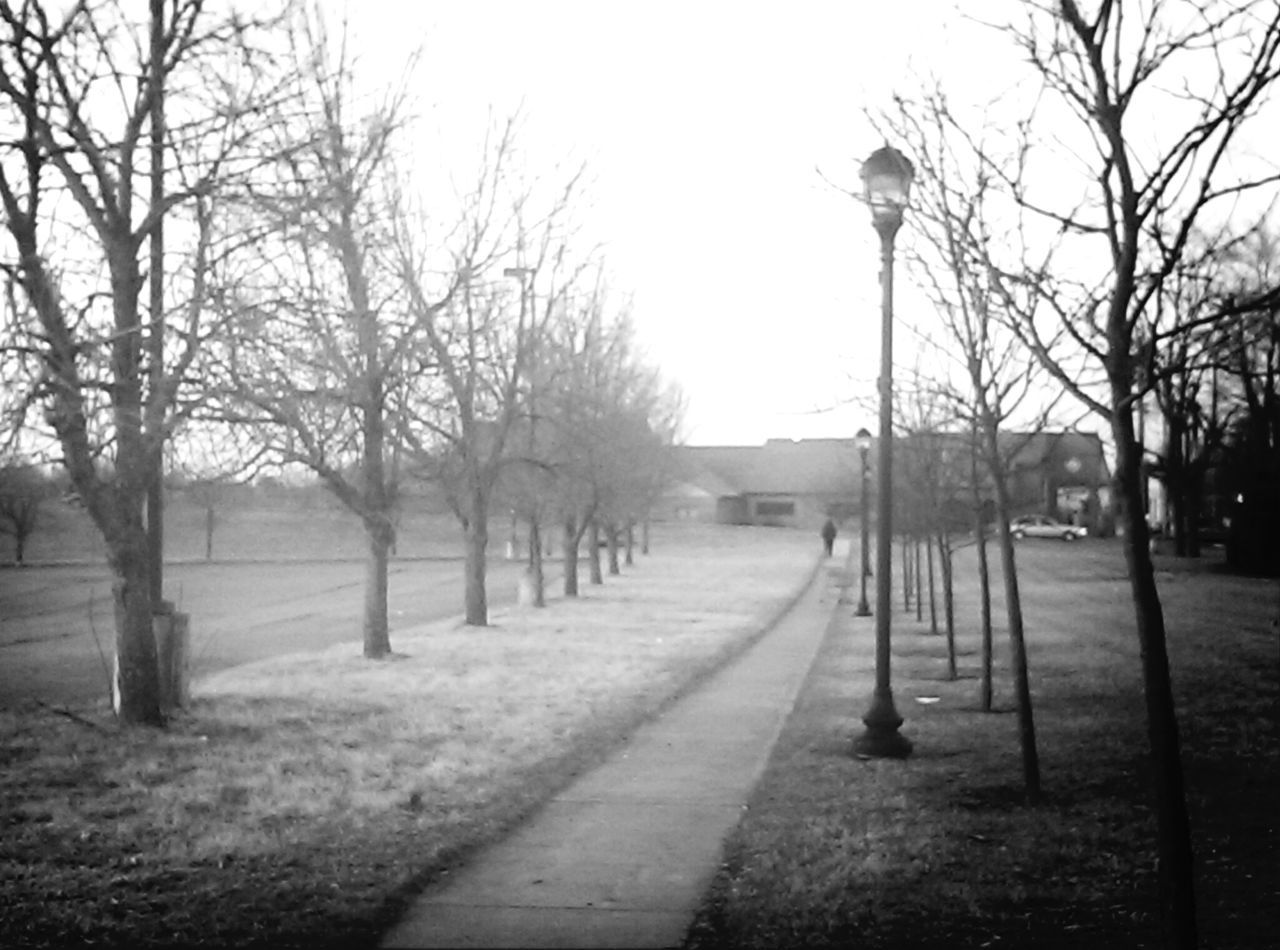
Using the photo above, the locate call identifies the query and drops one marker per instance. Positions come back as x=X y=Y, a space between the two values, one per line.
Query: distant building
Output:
x=801 y=483
x=1064 y=475
x=783 y=482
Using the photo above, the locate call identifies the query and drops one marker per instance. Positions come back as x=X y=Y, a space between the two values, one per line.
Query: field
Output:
x=57 y=634
x=283 y=579
x=305 y=525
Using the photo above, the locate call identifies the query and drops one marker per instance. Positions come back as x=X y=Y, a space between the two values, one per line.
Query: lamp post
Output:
x=864 y=446
x=526 y=277
x=886 y=179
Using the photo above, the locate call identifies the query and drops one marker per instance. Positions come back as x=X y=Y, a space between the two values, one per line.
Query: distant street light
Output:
x=886 y=179
x=864 y=446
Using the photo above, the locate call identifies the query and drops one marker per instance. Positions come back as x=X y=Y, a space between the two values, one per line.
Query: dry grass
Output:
x=942 y=851
x=302 y=797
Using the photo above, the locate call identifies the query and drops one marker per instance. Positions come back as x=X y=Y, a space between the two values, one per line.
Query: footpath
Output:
x=623 y=856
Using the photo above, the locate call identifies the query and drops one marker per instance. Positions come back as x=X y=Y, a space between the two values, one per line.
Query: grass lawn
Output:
x=314 y=527
x=302 y=798
x=57 y=627
x=941 y=851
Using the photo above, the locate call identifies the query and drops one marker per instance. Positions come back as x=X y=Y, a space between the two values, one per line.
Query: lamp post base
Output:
x=881 y=739
x=864 y=610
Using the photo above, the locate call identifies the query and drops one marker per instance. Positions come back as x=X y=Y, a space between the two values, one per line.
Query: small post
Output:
x=173 y=655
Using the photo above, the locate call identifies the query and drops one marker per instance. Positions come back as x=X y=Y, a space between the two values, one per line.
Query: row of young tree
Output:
x=321 y=295
x=1072 y=245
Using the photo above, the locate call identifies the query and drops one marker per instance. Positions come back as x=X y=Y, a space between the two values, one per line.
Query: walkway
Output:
x=623 y=856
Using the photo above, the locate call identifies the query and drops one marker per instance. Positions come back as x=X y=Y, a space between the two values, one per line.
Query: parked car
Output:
x=1042 y=526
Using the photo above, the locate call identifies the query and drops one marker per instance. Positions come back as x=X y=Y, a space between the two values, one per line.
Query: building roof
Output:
x=781 y=466
x=1059 y=448
x=832 y=466
x=702 y=483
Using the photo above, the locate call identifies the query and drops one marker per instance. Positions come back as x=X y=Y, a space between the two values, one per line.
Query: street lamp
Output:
x=886 y=180
x=526 y=276
x=864 y=446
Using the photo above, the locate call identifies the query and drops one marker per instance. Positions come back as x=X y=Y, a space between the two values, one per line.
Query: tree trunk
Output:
x=611 y=541
x=984 y=597
x=1017 y=638
x=138 y=682
x=906 y=573
x=476 y=536
x=1176 y=857
x=154 y=410
x=593 y=556
x=571 y=539
x=1175 y=481
x=209 y=518
x=933 y=599
x=1181 y=519
x=984 y=571
x=535 y=562
x=948 y=604
x=644 y=537
x=629 y=555
x=919 y=585
x=1195 y=497
x=377 y=639
x=123 y=526
x=1013 y=608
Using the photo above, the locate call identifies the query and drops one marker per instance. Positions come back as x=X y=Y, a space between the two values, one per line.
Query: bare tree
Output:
x=23 y=489
x=933 y=461
x=657 y=468
x=1182 y=375
x=921 y=423
x=1213 y=385
x=529 y=479
x=207 y=462
x=612 y=422
x=1245 y=374
x=480 y=344
x=79 y=94
x=1129 y=193
x=323 y=345
x=576 y=346
x=986 y=689
x=460 y=433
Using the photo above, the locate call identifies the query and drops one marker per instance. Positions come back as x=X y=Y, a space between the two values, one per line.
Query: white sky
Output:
x=702 y=123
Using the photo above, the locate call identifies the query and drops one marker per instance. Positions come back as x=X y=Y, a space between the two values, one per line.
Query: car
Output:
x=1042 y=526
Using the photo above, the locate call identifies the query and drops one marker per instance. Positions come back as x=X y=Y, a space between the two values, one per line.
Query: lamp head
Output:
x=864 y=441
x=886 y=183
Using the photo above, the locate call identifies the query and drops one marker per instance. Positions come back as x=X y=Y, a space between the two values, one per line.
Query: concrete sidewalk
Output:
x=623 y=856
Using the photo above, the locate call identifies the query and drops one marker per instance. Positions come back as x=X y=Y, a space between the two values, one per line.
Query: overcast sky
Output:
x=702 y=123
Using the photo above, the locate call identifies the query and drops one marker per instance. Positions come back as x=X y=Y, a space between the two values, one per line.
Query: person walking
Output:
x=828 y=536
